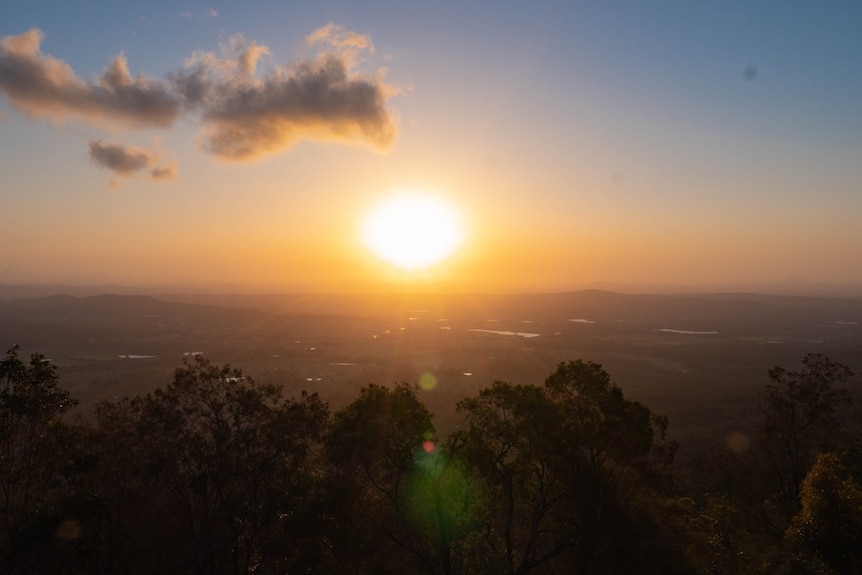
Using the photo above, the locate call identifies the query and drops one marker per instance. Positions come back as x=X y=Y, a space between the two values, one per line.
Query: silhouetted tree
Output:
x=556 y=461
x=799 y=422
x=515 y=441
x=377 y=447
x=828 y=529
x=140 y=530
x=749 y=498
x=37 y=454
x=621 y=435
x=231 y=461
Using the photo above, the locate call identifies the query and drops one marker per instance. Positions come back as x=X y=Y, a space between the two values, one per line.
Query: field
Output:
x=699 y=359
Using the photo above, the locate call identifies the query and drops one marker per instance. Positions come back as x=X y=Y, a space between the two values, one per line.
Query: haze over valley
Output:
x=700 y=359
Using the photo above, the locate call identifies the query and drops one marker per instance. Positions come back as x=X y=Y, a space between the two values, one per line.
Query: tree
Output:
x=36 y=453
x=230 y=459
x=558 y=461
x=799 y=422
x=621 y=435
x=828 y=528
x=396 y=498
x=138 y=530
x=514 y=441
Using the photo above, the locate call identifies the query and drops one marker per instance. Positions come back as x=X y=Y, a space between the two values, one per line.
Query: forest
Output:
x=216 y=473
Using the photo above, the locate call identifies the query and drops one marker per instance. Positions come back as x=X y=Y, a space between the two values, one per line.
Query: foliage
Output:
x=373 y=448
x=512 y=440
x=799 y=421
x=230 y=458
x=828 y=528
x=37 y=454
x=218 y=474
x=610 y=430
x=555 y=460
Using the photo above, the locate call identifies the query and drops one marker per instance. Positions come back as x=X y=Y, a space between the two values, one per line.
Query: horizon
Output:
x=787 y=288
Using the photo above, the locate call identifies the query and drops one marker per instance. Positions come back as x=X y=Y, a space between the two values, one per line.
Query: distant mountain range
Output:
x=694 y=310
x=243 y=296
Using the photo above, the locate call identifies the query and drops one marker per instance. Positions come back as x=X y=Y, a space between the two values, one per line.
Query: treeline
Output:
x=218 y=474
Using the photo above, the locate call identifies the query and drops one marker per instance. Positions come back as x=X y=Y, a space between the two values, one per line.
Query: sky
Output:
x=238 y=145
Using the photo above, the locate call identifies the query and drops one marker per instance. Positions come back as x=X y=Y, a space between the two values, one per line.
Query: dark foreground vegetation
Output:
x=217 y=474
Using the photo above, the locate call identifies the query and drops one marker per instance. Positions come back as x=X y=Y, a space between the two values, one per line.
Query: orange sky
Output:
x=242 y=148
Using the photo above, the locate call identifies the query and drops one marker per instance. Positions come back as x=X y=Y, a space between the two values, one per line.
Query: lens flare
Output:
x=427 y=381
x=440 y=495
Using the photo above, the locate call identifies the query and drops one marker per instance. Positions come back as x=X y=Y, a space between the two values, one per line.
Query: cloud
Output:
x=43 y=86
x=244 y=113
x=244 y=117
x=340 y=37
x=128 y=160
x=349 y=46
x=163 y=173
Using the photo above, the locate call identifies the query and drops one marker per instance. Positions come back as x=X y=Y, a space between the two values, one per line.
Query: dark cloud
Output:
x=128 y=160
x=317 y=99
x=244 y=117
x=42 y=86
x=243 y=114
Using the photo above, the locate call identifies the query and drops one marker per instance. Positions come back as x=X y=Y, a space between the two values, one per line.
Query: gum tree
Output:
x=230 y=460
x=36 y=455
x=562 y=465
x=800 y=421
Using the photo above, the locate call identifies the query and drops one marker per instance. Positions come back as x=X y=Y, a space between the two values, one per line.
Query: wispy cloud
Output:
x=127 y=161
x=208 y=13
x=337 y=37
x=42 y=86
x=244 y=113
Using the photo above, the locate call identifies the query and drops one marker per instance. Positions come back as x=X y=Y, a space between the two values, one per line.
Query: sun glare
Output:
x=413 y=231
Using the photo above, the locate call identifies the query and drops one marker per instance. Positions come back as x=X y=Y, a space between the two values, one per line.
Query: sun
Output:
x=413 y=231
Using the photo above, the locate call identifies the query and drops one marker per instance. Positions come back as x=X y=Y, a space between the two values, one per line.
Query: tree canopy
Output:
x=217 y=474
